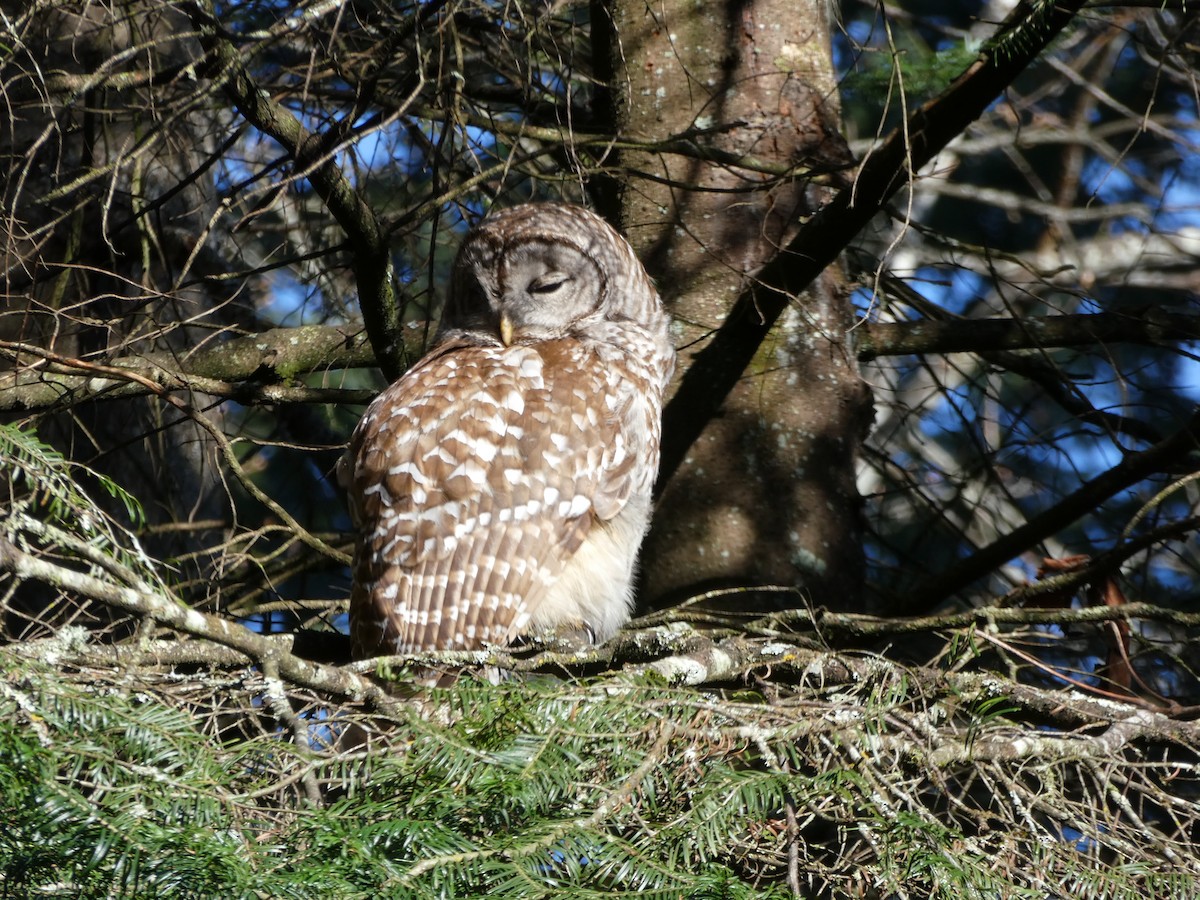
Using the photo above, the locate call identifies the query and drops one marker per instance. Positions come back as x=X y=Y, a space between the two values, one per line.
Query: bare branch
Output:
x=257 y=366
x=314 y=158
x=1088 y=497
x=170 y=612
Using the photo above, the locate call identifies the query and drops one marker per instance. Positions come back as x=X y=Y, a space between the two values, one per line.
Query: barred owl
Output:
x=502 y=485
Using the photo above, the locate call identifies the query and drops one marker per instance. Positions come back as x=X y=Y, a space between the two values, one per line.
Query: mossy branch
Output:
x=262 y=368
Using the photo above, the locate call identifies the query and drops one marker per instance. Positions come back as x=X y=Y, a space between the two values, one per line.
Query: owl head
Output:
x=541 y=271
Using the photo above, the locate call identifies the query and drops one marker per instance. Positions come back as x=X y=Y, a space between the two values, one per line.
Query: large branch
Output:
x=673 y=651
x=718 y=367
x=685 y=656
x=1146 y=326
x=259 y=367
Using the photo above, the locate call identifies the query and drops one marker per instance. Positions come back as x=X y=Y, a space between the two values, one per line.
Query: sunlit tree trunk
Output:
x=766 y=495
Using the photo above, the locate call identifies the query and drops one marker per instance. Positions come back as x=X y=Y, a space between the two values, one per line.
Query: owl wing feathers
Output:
x=475 y=477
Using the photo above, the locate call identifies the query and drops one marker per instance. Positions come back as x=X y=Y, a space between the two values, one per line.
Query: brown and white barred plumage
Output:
x=502 y=485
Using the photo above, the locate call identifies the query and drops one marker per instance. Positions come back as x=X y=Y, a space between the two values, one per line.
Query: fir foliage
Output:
x=48 y=504
x=1028 y=27
x=114 y=783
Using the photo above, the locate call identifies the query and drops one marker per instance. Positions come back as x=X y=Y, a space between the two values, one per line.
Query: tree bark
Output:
x=766 y=494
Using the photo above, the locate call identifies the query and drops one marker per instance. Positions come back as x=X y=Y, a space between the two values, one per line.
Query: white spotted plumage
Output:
x=503 y=486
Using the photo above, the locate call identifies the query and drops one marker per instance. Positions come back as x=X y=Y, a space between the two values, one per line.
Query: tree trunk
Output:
x=766 y=496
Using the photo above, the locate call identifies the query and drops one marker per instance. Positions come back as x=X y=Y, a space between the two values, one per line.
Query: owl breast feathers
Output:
x=502 y=485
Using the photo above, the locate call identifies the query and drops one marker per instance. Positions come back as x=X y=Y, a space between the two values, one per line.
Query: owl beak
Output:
x=506 y=329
